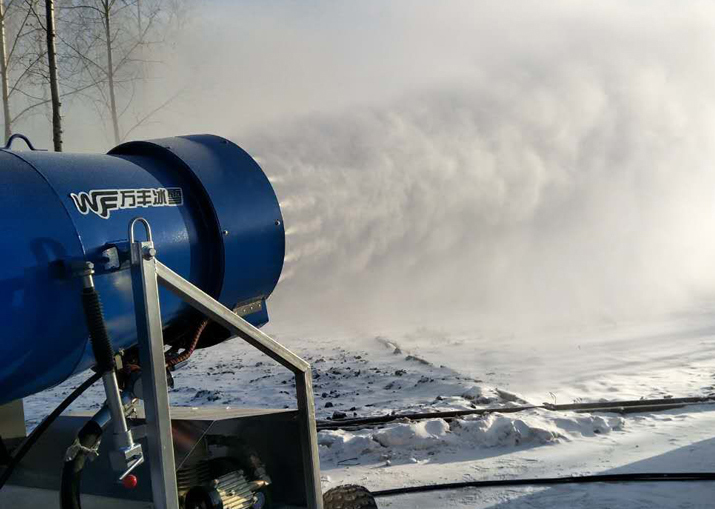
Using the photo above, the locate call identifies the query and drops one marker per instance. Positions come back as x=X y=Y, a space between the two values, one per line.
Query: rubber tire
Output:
x=349 y=496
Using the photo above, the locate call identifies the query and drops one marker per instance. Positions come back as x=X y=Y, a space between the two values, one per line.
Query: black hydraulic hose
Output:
x=603 y=478
x=5 y=457
x=70 y=486
x=42 y=427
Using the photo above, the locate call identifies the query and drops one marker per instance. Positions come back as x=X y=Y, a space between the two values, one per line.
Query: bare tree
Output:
x=21 y=60
x=112 y=43
x=101 y=51
x=5 y=78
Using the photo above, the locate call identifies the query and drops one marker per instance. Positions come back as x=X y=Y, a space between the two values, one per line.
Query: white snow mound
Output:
x=418 y=435
x=433 y=437
x=496 y=430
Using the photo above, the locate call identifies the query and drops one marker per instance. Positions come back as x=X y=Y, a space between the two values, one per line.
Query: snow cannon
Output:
x=117 y=268
x=215 y=220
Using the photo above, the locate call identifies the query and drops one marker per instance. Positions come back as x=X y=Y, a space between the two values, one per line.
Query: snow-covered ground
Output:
x=436 y=368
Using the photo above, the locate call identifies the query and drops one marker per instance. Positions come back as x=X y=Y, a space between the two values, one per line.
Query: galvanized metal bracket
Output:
x=147 y=274
x=155 y=394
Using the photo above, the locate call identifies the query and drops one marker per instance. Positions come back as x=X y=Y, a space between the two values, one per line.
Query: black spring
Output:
x=101 y=346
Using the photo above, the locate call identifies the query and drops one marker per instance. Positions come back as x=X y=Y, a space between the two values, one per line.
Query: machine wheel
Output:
x=349 y=496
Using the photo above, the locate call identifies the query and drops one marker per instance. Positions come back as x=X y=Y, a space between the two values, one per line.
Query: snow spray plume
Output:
x=567 y=179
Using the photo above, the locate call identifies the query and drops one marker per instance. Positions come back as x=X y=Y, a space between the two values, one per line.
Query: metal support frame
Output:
x=147 y=271
x=155 y=394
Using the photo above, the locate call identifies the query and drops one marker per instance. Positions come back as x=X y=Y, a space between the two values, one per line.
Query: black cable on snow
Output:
x=630 y=406
x=546 y=481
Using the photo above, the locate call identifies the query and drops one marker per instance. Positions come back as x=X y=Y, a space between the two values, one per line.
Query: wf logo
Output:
x=103 y=201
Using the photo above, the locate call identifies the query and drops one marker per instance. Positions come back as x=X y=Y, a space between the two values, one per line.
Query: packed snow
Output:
x=423 y=370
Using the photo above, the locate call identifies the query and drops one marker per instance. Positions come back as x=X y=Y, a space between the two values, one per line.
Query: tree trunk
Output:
x=3 y=71
x=110 y=73
x=54 y=85
x=139 y=18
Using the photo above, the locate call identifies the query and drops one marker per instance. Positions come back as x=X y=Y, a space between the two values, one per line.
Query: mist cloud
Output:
x=564 y=174
x=511 y=162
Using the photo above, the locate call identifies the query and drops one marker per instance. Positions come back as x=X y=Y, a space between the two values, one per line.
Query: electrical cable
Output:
x=42 y=427
x=602 y=478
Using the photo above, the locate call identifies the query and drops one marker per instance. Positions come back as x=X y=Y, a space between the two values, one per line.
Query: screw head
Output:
x=149 y=253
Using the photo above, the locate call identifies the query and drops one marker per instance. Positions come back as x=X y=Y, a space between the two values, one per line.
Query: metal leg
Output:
x=309 y=438
x=12 y=420
x=154 y=386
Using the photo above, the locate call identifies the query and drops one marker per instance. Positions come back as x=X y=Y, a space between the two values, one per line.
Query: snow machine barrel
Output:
x=216 y=222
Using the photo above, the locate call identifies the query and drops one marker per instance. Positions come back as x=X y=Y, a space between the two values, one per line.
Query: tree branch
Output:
x=151 y=114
